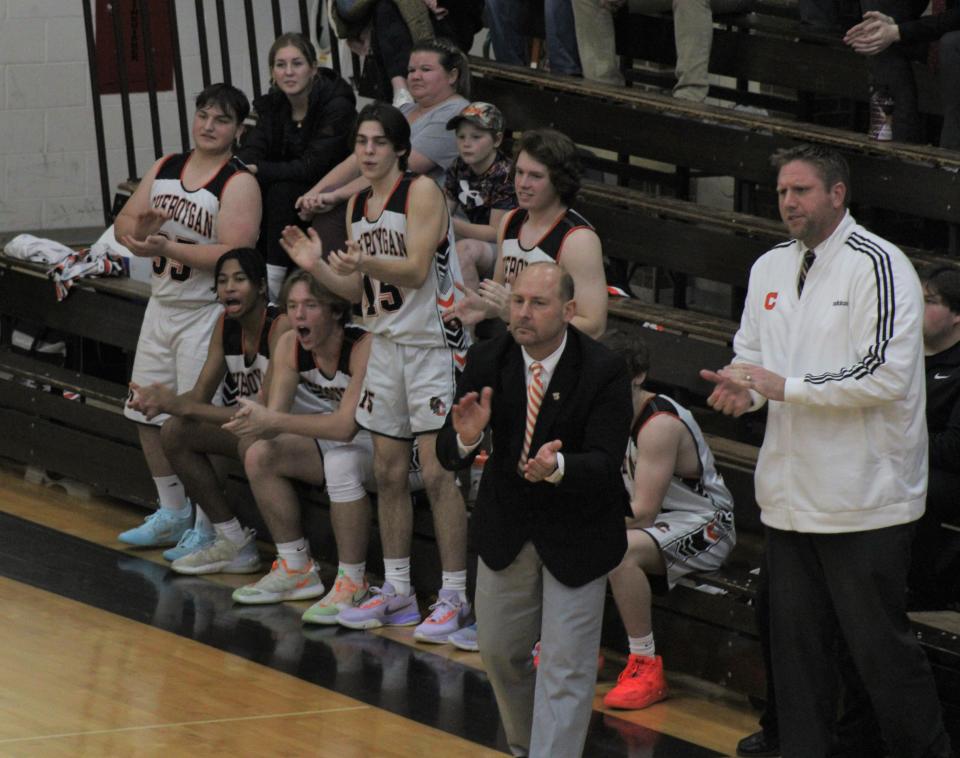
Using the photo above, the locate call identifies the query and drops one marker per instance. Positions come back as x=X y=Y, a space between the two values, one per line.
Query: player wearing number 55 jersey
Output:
x=400 y=266
x=187 y=211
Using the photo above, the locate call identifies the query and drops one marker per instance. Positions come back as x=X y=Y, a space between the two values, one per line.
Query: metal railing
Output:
x=145 y=19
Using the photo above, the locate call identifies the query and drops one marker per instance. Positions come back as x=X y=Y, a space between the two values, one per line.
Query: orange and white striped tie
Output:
x=534 y=399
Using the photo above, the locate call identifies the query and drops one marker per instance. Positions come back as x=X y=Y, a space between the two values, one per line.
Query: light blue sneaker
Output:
x=465 y=638
x=193 y=539
x=160 y=529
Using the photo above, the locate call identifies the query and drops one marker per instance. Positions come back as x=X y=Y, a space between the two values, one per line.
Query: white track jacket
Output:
x=847 y=449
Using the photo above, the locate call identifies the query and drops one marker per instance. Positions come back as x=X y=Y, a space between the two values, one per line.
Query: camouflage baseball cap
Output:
x=484 y=115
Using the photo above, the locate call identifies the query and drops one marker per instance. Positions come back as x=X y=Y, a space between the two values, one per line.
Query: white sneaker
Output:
x=222 y=556
x=282 y=584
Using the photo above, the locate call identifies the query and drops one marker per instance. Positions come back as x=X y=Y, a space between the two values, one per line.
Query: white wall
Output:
x=49 y=174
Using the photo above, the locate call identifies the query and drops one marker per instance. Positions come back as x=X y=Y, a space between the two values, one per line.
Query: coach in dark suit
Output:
x=548 y=521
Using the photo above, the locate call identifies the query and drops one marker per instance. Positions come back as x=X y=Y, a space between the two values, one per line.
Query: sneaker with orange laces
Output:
x=640 y=684
x=282 y=583
x=447 y=615
x=345 y=594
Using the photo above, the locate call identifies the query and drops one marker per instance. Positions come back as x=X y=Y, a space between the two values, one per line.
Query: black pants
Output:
x=850 y=586
x=856 y=733
x=934 y=578
x=892 y=70
x=950 y=89
x=278 y=212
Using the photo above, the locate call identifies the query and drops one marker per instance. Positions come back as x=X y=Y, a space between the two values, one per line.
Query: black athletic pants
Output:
x=849 y=586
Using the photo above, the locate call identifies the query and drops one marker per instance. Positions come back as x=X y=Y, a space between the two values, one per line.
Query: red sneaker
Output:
x=640 y=684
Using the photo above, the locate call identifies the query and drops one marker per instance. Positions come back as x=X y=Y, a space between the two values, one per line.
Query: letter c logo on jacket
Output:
x=770 y=301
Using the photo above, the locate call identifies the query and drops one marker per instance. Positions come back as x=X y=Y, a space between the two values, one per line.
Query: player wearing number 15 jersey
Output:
x=187 y=211
x=400 y=266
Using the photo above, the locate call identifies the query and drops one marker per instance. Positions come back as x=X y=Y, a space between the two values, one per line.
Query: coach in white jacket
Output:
x=831 y=334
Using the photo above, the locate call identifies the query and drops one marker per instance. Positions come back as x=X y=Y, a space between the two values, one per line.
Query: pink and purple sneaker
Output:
x=384 y=607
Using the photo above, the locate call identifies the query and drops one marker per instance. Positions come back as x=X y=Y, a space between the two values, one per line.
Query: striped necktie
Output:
x=808 y=258
x=534 y=399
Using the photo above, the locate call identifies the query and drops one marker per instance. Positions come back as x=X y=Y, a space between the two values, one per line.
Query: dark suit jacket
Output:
x=577 y=525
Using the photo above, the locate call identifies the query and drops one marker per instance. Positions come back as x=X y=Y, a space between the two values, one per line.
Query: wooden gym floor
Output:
x=106 y=652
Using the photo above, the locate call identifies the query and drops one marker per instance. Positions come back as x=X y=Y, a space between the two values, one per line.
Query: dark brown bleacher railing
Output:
x=140 y=34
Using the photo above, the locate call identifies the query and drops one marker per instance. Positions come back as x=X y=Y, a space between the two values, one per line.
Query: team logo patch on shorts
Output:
x=438 y=407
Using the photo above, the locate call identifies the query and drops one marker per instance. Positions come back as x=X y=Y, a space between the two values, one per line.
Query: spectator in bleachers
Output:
x=821 y=15
x=302 y=131
x=439 y=81
x=831 y=336
x=934 y=578
x=510 y=22
x=893 y=86
x=187 y=211
x=880 y=34
x=692 y=30
x=388 y=29
x=237 y=364
x=479 y=189
x=545 y=228
x=681 y=521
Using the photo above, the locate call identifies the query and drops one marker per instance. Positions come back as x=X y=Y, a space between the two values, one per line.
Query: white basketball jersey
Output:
x=547 y=249
x=193 y=221
x=707 y=494
x=245 y=377
x=317 y=392
x=407 y=315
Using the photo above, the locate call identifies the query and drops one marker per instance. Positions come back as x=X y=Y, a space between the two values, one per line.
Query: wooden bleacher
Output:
x=751 y=47
x=912 y=179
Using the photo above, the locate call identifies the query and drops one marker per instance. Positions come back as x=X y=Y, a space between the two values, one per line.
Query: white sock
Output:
x=397 y=572
x=296 y=554
x=231 y=530
x=353 y=571
x=275 y=276
x=457 y=581
x=201 y=522
x=172 y=495
x=642 y=645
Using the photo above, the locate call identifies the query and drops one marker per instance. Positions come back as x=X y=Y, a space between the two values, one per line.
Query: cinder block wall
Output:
x=49 y=176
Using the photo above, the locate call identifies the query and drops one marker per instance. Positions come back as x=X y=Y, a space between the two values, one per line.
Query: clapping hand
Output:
x=306 y=250
x=874 y=34
x=496 y=298
x=251 y=420
x=146 y=242
x=544 y=463
x=470 y=309
x=346 y=262
x=471 y=415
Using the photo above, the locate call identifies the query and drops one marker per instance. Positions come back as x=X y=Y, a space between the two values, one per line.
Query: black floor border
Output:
x=401 y=679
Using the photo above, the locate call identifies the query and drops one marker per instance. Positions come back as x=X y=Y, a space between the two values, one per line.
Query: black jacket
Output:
x=929 y=28
x=577 y=525
x=283 y=152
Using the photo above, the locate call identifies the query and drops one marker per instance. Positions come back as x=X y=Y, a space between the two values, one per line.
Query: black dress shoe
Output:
x=758 y=745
